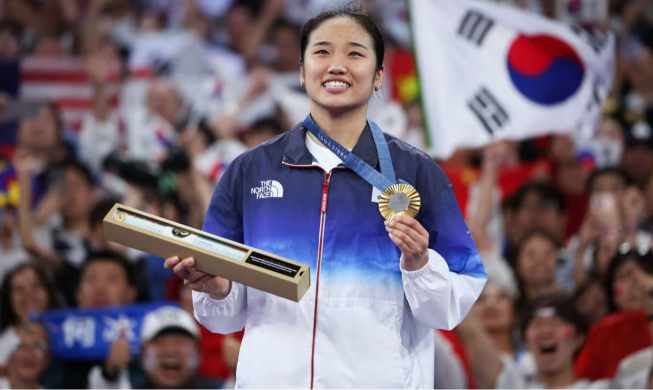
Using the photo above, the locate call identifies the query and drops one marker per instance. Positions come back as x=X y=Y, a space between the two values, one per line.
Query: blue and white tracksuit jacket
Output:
x=364 y=322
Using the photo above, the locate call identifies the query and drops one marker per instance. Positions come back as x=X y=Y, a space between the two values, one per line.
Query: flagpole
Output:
x=420 y=97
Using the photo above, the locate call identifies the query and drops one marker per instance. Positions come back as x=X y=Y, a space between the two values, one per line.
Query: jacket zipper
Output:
x=323 y=207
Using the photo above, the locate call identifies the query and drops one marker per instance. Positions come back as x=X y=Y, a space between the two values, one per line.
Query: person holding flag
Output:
x=374 y=218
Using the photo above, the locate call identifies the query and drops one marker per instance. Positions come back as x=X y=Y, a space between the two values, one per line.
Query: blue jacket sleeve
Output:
x=224 y=218
x=441 y=293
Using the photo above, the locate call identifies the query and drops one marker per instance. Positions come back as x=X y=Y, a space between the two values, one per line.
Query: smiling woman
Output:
x=378 y=286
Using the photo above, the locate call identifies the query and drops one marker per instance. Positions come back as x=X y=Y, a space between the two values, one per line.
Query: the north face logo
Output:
x=268 y=189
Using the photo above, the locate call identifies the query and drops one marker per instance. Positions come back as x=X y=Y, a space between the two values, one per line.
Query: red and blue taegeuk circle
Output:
x=545 y=69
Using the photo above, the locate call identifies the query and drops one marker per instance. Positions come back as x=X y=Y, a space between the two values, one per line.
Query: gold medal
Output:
x=401 y=199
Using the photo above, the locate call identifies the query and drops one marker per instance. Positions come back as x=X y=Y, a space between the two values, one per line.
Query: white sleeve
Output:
x=222 y=316
x=97 y=381
x=438 y=297
x=98 y=139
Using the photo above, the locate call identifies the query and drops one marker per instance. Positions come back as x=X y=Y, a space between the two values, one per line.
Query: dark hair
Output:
x=624 y=254
x=563 y=307
x=110 y=257
x=267 y=123
x=12 y=27
x=542 y=189
x=8 y=316
x=623 y=175
x=282 y=23
x=359 y=16
x=100 y=210
x=82 y=169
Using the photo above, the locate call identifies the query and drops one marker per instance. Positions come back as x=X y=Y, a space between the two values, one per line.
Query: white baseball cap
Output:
x=9 y=341
x=165 y=318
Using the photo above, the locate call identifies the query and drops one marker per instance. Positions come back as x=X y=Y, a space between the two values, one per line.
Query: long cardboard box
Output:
x=213 y=255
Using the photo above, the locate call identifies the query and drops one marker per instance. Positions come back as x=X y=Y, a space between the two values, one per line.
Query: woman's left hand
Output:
x=412 y=239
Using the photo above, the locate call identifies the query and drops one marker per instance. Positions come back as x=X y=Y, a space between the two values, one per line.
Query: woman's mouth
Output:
x=336 y=86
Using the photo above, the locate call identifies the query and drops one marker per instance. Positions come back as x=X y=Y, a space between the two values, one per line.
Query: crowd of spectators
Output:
x=146 y=102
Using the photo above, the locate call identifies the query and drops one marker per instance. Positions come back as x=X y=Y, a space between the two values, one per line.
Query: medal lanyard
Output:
x=382 y=181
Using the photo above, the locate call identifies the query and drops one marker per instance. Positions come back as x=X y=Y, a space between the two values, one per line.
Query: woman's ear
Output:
x=302 y=82
x=378 y=78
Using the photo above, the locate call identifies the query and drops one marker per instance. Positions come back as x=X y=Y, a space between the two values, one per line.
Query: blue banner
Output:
x=88 y=333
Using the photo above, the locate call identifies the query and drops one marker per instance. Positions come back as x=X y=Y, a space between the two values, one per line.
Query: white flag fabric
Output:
x=490 y=72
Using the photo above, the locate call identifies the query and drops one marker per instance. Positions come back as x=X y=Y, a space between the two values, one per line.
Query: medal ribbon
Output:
x=381 y=180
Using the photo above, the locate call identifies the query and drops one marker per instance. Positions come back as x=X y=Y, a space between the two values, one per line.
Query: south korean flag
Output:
x=490 y=72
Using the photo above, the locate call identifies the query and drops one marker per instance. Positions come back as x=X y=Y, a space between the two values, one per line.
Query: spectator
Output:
x=71 y=198
x=27 y=289
x=497 y=312
x=616 y=207
x=170 y=354
x=621 y=334
x=28 y=357
x=537 y=205
x=106 y=280
x=635 y=371
x=10 y=33
x=535 y=265
x=623 y=293
x=591 y=300
x=553 y=332
x=219 y=353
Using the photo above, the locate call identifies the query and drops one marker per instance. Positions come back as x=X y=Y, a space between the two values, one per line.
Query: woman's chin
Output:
x=335 y=104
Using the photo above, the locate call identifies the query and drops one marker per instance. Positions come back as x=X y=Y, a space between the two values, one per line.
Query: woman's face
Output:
x=627 y=294
x=30 y=358
x=536 y=263
x=40 y=133
x=28 y=295
x=496 y=308
x=339 y=66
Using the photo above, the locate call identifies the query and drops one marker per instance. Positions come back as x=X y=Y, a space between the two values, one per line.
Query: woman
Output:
x=377 y=289
x=623 y=293
x=535 y=265
x=26 y=289
x=625 y=330
x=28 y=357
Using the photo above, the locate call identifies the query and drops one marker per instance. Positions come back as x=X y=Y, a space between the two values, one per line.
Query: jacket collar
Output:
x=296 y=152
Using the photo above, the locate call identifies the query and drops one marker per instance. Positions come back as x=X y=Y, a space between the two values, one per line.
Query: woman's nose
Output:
x=337 y=67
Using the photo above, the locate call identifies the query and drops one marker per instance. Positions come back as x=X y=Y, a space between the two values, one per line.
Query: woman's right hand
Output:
x=218 y=288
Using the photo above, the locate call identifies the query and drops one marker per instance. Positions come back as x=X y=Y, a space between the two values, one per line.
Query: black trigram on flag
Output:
x=489 y=111
x=596 y=40
x=475 y=27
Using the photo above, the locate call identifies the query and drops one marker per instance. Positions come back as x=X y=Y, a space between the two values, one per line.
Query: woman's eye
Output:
x=322 y=52
x=354 y=53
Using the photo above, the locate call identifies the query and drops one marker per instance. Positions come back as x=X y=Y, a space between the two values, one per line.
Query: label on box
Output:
x=180 y=234
x=273 y=264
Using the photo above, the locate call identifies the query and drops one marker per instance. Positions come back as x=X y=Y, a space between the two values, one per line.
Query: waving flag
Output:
x=490 y=72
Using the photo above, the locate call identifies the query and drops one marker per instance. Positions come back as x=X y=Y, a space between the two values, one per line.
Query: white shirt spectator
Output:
x=512 y=377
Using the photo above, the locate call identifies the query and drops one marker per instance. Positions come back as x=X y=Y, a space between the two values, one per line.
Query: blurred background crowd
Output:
x=146 y=102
